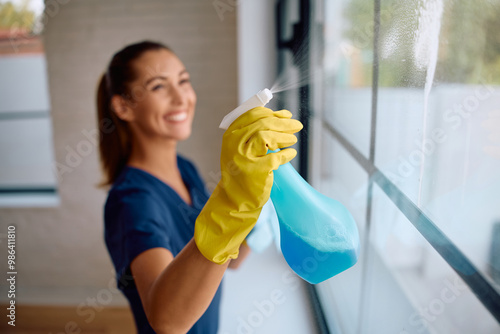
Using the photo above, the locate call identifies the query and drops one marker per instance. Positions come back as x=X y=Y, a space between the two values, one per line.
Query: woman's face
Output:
x=163 y=100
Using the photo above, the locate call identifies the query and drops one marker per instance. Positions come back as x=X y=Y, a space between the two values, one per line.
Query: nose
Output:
x=176 y=95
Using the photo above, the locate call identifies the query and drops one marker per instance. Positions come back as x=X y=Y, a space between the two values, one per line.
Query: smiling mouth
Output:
x=178 y=117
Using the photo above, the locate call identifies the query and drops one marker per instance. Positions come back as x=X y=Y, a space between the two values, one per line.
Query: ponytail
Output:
x=114 y=134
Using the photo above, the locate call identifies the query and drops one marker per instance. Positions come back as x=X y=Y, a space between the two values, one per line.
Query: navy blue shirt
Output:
x=141 y=213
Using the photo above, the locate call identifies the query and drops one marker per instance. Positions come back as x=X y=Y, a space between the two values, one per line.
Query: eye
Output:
x=158 y=86
x=183 y=81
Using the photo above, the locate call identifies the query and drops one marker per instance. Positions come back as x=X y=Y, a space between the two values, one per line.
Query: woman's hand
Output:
x=247 y=179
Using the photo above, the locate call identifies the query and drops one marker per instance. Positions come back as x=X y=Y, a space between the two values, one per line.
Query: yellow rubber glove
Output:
x=247 y=178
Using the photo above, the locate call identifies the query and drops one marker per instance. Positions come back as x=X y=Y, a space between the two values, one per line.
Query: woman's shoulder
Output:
x=130 y=183
x=136 y=183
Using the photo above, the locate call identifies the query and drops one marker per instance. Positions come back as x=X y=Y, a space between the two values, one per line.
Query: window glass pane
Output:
x=438 y=301
x=23 y=83
x=27 y=144
x=344 y=180
x=437 y=138
x=348 y=66
x=438 y=121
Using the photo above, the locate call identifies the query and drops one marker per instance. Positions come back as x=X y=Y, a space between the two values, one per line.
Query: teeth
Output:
x=177 y=117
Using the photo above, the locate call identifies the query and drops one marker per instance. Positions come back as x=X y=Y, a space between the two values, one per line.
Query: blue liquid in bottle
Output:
x=319 y=237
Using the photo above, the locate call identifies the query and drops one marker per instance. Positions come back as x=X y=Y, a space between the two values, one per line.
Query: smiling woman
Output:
x=150 y=96
x=157 y=198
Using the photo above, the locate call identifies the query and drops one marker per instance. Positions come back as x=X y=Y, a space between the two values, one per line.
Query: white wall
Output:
x=256 y=47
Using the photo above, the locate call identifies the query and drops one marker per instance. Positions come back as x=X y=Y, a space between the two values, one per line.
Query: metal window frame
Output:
x=19 y=115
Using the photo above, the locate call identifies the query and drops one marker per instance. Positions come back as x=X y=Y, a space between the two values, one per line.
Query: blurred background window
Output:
x=27 y=175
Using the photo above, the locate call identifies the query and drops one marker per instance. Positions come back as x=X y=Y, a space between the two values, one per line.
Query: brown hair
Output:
x=114 y=133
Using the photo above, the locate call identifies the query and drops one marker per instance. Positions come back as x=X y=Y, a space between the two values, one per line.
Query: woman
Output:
x=169 y=241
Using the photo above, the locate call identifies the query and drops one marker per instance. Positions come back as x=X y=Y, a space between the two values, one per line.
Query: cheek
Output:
x=145 y=109
x=192 y=100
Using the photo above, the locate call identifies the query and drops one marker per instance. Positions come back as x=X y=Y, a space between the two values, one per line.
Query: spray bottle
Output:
x=319 y=237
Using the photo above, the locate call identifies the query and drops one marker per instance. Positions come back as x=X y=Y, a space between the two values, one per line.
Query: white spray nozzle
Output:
x=258 y=100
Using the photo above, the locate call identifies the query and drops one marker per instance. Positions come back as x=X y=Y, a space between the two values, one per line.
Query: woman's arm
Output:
x=175 y=292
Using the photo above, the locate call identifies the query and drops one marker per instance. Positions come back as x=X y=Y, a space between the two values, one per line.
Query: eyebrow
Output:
x=155 y=77
x=161 y=77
